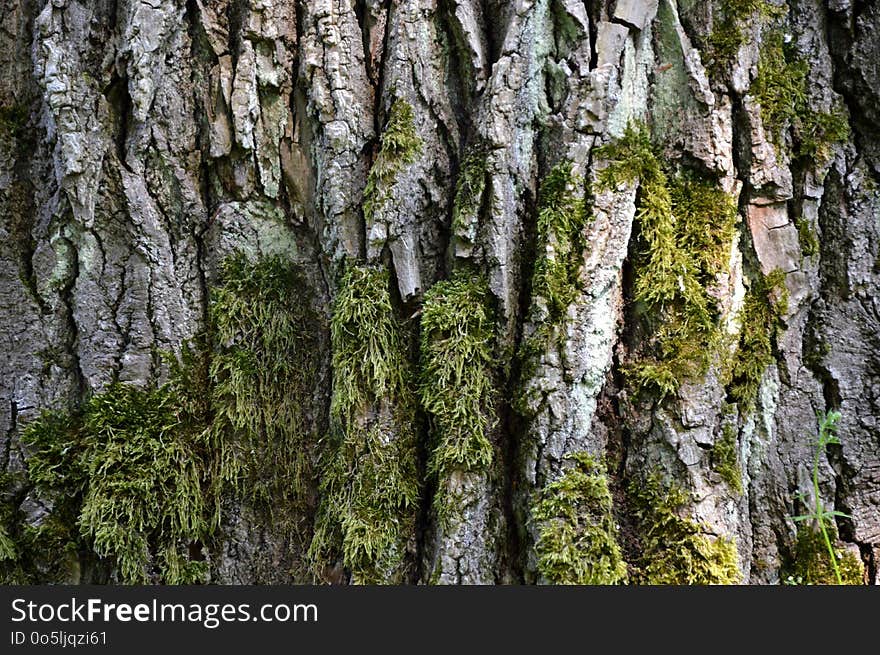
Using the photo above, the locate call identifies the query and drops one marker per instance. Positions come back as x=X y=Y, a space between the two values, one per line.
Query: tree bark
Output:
x=490 y=380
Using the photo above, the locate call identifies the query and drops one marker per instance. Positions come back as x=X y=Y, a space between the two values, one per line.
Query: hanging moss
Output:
x=675 y=550
x=456 y=381
x=685 y=230
x=261 y=377
x=725 y=460
x=144 y=484
x=135 y=466
x=369 y=362
x=707 y=216
x=764 y=306
x=781 y=91
x=577 y=541
x=369 y=482
x=136 y=474
x=812 y=564
x=399 y=146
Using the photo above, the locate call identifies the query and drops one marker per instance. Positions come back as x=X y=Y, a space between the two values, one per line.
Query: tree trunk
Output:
x=439 y=291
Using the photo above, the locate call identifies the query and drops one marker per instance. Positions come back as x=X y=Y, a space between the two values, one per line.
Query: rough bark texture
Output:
x=146 y=144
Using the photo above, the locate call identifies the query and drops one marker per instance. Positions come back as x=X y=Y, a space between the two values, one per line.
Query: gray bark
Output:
x=142 y=143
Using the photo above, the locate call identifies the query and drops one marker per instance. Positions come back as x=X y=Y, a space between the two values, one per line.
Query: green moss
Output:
x=48 y=552
x=781 y=91
x=560 y=244
x=369 y=482
x=765 y=304
x=812 y=563
x=8 y=551
x=725 y=460
x=818 y=131
x=136 y=474
x=675 y=550
x=456 y=380
x=780 y=86
x=58 y=468
x=54 y=441
x=708 y=217
x=399 y=146
x=135 y=465
x=562 y=216
x=469 y=190
x=807 y=237
x=731 y=31
x=685 y=229
x=265 y=362
x=629 y=159
x=144 y=481
x=577 y=541
x=38 y=553
x=369 y=362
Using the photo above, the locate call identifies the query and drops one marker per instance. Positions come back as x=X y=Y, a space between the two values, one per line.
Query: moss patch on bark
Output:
x=265 y=359
x=456 y=384
x=812 y=566
x=731 y=29
x=577 y=542
x=135 y=475
x=134 y=466
x=562 y=217
x=560 y=245
x=675 y=549
x=469 y=190
x=781 y=91
x=370 y=485
x=399 y=145
x=685 y=227
x=725 y=458
x=765 y=304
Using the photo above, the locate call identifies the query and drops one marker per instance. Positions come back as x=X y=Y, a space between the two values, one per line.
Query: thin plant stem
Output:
x=820 y=511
